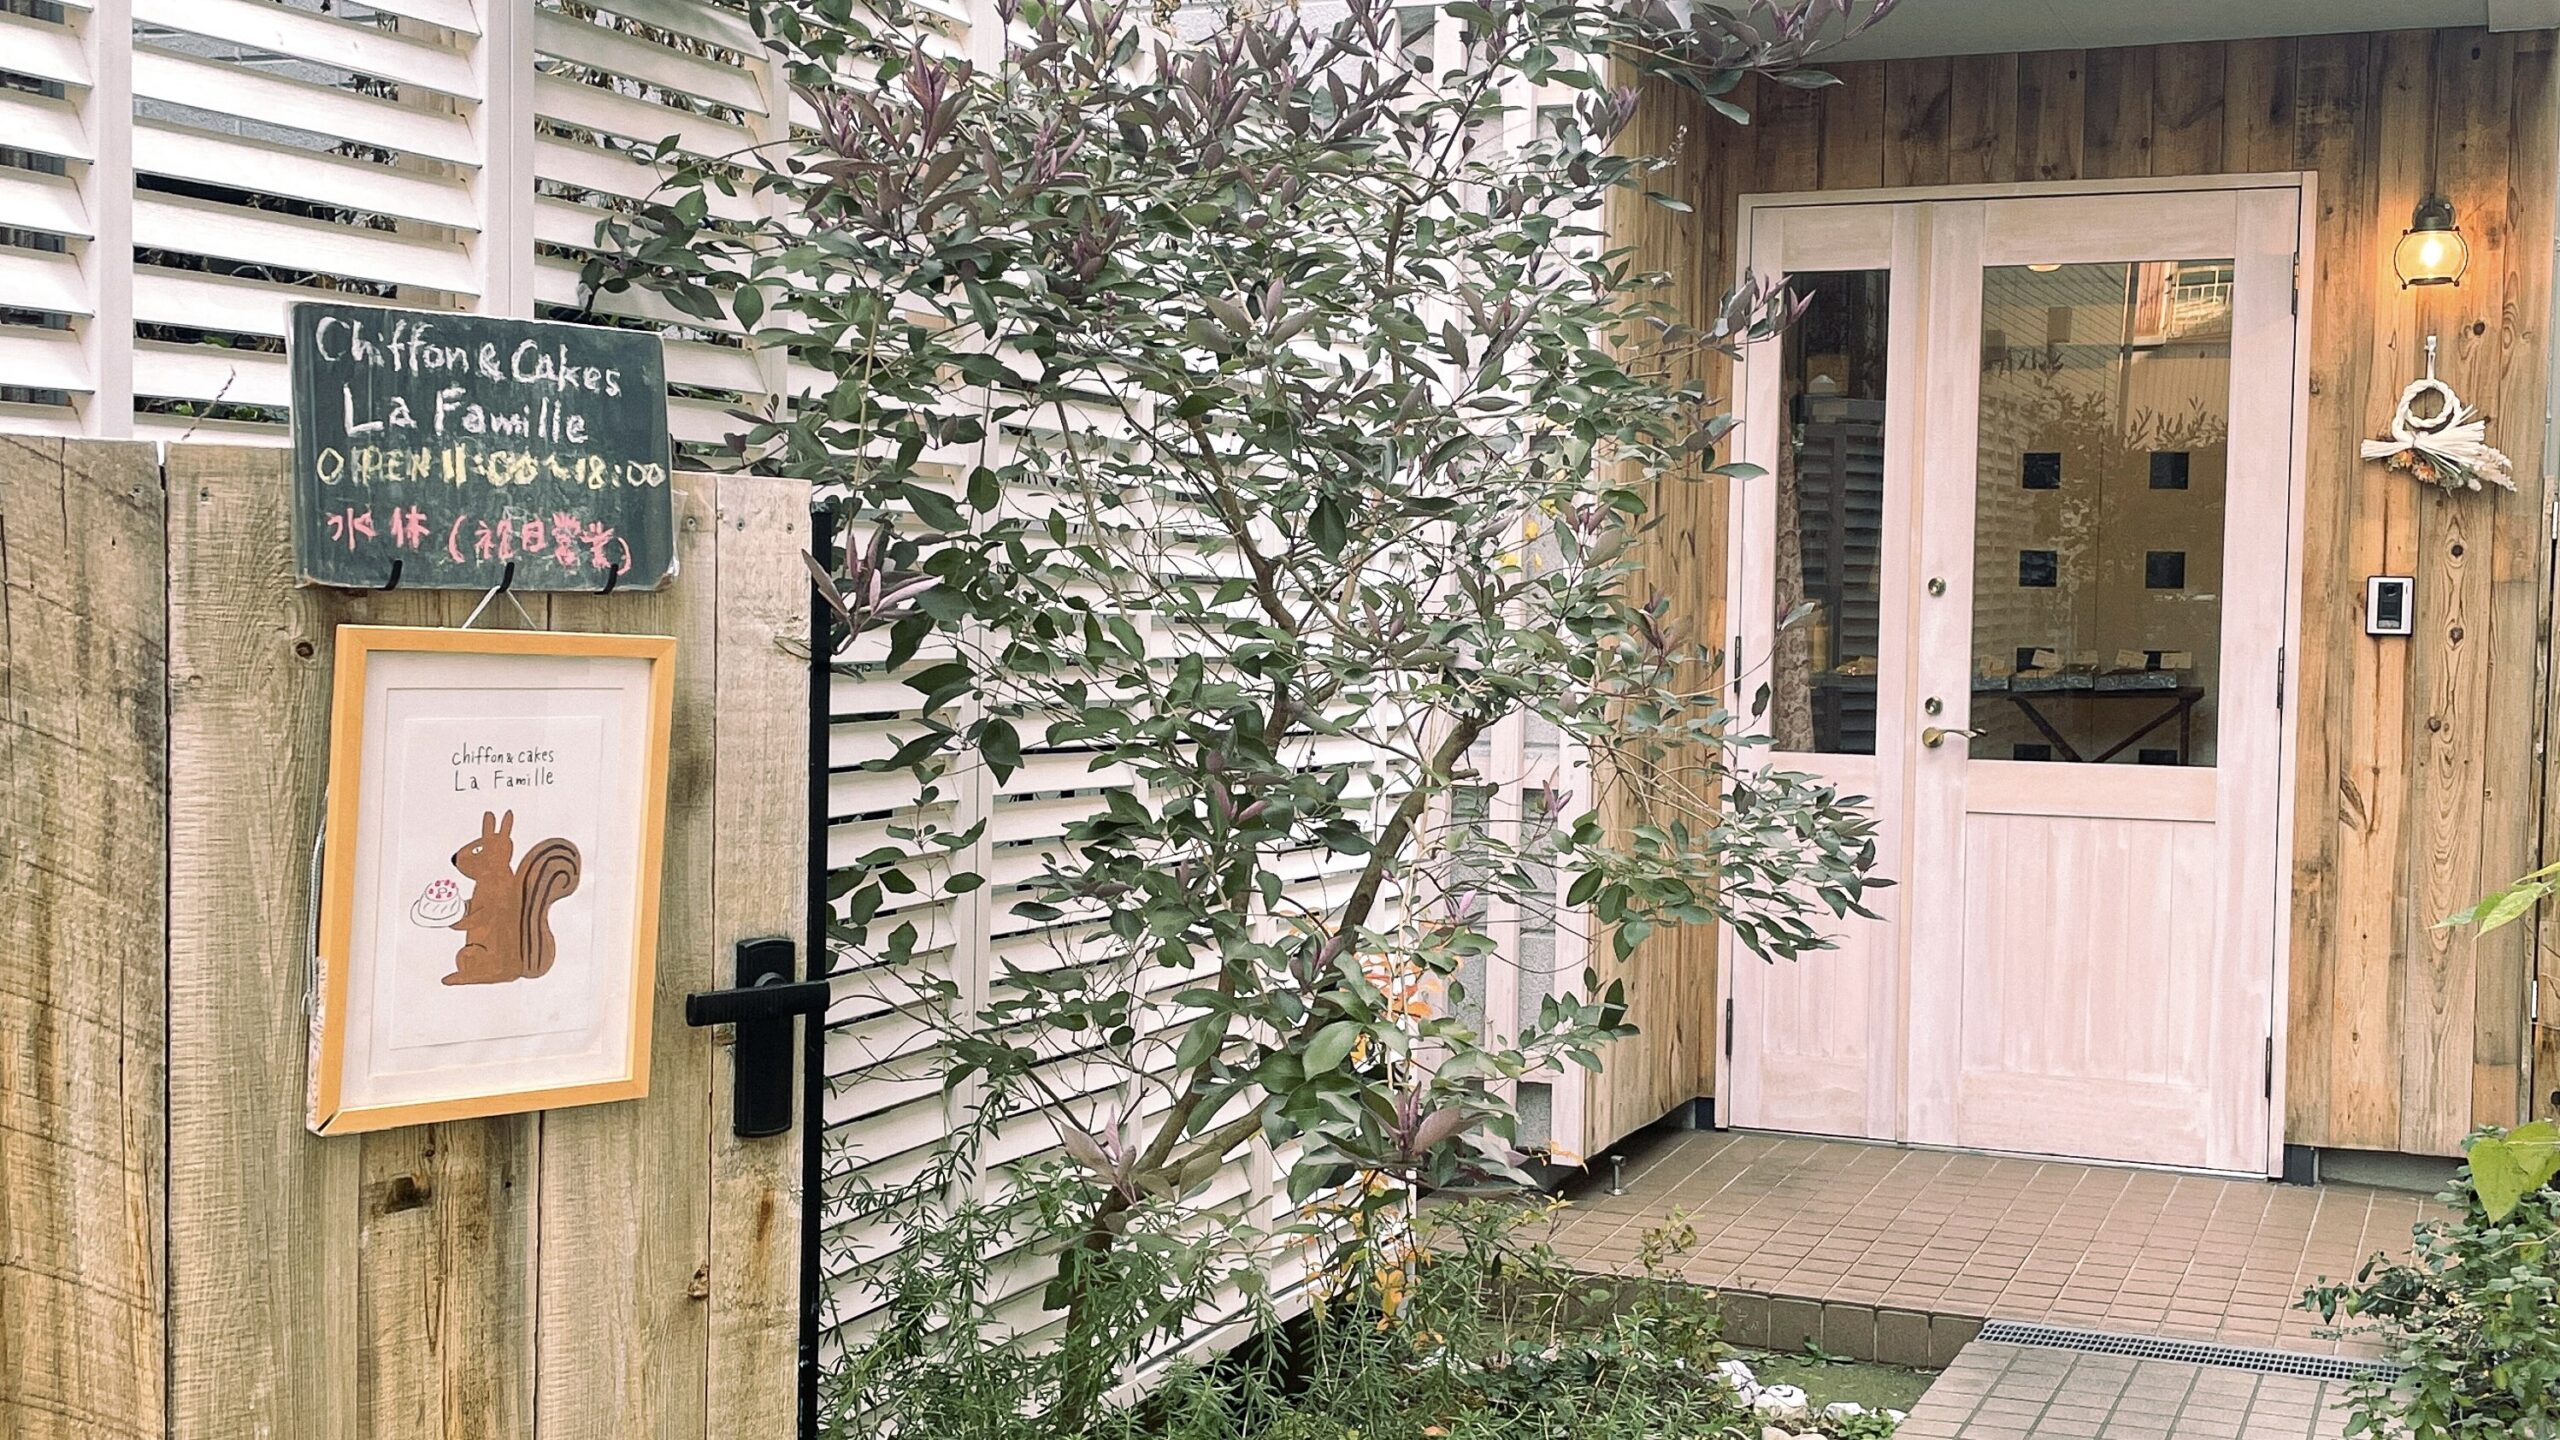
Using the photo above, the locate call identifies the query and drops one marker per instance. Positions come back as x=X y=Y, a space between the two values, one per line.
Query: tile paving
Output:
x=1899 y=1254
x=2015 y=1392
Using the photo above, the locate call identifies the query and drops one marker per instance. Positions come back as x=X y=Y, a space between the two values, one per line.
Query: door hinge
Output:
x=2297 y=284
x=1728 y=1027
x=2268 y=1085
x=2280 y=660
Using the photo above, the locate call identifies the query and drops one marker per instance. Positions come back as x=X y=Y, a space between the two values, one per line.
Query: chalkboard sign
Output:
x=462 y=452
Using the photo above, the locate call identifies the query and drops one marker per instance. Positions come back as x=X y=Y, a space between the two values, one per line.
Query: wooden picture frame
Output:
x=520 y=976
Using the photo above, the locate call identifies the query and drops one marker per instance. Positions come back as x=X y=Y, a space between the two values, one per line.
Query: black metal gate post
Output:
x=819 y=966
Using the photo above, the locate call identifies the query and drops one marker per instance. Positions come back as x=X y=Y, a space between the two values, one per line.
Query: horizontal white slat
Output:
x=721 y=26
x=321 y=109
x=51 y=203
x=616 y=53
x=208 y=372
x=42 y=359
x=449 y=14
x=175 y=428
x=47 y=127
x=555 y=282
x=317 y=38
x=870 y=792
x=592 y=107
x=225 y=302
x=163 y=222
x=46 y=51
x=17 y=419
x=714 y=367
x=623 y=177
x=38 y=280
x=180 y=152
x=701 y=422
x=567 y=224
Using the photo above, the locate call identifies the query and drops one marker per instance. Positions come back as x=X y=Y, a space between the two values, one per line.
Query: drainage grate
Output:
x=2185 y=1352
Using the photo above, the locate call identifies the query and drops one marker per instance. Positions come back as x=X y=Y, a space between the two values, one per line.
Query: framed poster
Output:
x=489 y=890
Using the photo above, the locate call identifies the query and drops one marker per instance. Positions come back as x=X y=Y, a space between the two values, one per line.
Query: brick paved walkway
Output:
x=1880 y=1252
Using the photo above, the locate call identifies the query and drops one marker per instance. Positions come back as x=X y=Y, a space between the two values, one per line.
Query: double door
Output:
x=2018 y=570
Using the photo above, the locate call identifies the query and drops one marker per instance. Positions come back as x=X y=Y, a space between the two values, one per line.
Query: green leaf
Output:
x=2506 y=1168
x=1330 y=1045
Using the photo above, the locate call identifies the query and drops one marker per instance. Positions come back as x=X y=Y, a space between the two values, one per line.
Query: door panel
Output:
x=1816 y=1042
x=2074 y=741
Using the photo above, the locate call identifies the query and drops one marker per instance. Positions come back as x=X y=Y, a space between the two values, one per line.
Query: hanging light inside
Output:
x=2432 y=250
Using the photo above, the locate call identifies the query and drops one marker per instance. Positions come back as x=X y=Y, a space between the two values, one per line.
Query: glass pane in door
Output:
x=2098 y=512
x=1830 y=487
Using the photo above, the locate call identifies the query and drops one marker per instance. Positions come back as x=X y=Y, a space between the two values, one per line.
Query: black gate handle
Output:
x=761 y=1006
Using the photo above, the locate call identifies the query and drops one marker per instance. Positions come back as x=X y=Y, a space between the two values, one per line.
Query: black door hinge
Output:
x=1728 y=1027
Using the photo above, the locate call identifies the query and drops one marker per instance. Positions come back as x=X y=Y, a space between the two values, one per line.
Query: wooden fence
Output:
x=177 y=1255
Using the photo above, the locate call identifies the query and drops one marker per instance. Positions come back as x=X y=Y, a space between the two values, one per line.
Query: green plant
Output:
x=2469 y=1315
x=1230 y=415
x=2504 y=906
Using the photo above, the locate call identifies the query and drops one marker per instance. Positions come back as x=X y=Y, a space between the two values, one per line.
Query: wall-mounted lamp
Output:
x=2432 y=250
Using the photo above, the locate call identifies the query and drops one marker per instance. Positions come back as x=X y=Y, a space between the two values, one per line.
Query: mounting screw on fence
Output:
x=1617 y=1174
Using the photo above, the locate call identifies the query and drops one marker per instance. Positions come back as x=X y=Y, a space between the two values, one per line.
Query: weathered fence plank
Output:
x=762 y=808
x=83 y=717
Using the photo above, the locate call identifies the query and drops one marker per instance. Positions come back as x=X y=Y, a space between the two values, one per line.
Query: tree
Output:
x=1234 y=412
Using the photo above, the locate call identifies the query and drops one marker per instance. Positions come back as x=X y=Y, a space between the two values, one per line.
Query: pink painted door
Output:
x=2084 y=430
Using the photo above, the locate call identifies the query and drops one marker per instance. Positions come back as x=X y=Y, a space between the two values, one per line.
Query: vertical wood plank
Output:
x=2325 y=123
x=2258 y=107
x=1917 y=99
x=759 y=823
x=2448 y=657
x=1853 y=127
x=2518 y=570
x=2051 y=110
x=2365 y=1017
x=262 y=1217
x=83 y=1025
x=624 y=1207
x=1788 y=123
x=363 y=1286
x=2116 y=128
x=2187 y=109
x=1982 y=136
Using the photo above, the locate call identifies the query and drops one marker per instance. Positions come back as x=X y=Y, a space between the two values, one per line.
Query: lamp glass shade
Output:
x=2433 y=251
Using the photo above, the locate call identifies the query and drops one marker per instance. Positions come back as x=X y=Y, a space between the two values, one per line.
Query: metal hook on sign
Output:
x=612 y=578
x=505 y=586
x=394 y=582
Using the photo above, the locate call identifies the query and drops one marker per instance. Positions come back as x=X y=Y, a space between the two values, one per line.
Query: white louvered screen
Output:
x=175 y=173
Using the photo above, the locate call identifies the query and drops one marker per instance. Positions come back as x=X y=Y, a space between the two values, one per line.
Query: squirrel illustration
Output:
x=506 y=922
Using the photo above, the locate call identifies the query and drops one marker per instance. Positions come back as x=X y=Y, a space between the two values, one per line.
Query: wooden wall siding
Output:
x=2417 y=782
x=1671 y=977
x=609 y=1271
x=82 y=1018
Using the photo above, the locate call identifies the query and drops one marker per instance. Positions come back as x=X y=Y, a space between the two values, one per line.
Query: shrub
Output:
x=1224 y=412
x=2470 y=1315
x=1459 y=1323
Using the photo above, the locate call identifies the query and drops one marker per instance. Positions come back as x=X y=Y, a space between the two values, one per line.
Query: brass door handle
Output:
x=1936 y=735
